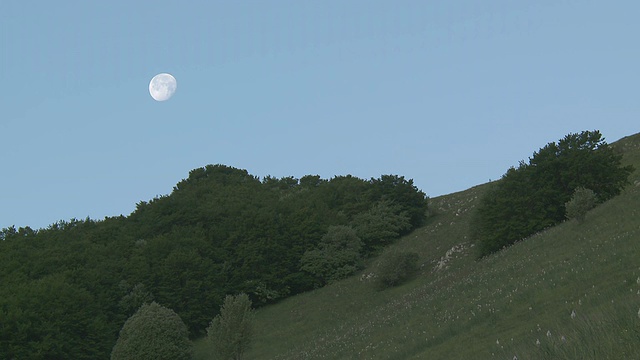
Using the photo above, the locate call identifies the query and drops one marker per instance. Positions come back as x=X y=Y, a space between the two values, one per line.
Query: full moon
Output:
x=162 y=87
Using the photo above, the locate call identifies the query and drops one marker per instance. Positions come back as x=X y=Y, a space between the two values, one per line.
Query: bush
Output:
x=395 y=268
x=154 y=332
x=231 y=330
x=581 y=202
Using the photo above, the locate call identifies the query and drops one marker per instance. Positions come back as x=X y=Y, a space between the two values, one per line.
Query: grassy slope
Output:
x=496 y=307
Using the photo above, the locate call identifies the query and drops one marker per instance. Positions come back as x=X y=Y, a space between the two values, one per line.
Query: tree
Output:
x=581 y=202
x=337 y=256
x=347 y=195
x=532 y=197
x=154 y=332
x=580 y=160
x=231 y=330
x=402 y=192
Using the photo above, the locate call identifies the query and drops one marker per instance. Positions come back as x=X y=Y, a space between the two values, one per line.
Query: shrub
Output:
x=581 y=202
x=154 y=332
x=395 y=268
x=231 y=330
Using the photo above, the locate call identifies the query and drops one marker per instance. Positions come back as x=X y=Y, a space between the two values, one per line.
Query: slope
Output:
x=572 y=291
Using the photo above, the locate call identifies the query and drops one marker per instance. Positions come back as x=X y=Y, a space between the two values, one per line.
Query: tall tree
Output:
x=230 y=331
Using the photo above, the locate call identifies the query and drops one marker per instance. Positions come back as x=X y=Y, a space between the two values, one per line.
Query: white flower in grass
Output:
x=548 y=333
x=573 y=314
x=537 y=342
x=639 y=313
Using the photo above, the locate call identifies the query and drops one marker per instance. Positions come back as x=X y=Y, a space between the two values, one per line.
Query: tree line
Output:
x=68 y=289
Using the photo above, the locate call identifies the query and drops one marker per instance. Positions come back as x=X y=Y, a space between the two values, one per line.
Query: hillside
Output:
x=572 y=291
x=68 y=289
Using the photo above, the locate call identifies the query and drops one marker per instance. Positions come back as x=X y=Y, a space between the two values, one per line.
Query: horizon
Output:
x=447 y=94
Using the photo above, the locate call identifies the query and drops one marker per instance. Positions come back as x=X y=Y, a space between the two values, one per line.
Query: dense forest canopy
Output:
x=68 y=289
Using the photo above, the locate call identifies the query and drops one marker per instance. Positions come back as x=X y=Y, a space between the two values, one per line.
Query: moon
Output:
x=162 y=87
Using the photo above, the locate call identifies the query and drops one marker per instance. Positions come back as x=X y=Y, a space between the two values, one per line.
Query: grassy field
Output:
x=570 y=292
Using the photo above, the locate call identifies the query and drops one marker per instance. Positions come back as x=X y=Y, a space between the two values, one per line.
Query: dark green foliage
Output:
x=154 y=332
x=532 y=197
x=136 y=296
x=381 y=224
x=581 y=202
x=50 y=318
x=396 y=267
x=221 y=231
x=338 y=255
x=232 y=329
x=403 y=193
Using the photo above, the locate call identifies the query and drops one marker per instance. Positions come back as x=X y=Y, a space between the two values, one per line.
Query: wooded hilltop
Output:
x=67 y=289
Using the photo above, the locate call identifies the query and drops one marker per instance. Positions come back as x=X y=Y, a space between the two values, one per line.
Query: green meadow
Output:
x=569 y=292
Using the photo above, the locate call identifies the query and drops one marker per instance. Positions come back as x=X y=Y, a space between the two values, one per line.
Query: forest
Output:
x=68 y=289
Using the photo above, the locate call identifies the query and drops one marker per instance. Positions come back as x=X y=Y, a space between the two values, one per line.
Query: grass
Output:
x=570 y=292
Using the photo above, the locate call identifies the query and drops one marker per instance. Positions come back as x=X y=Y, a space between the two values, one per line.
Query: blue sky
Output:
x=449 y=93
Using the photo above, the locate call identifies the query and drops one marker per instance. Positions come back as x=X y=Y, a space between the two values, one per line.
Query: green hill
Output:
x=68 y=289
x=569 y=292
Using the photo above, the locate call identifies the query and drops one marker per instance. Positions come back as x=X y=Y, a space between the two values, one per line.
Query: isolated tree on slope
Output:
x=231 y=330
x=154 y=332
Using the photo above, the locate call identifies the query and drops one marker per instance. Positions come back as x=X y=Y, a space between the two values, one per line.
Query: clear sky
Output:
x=449 y=93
